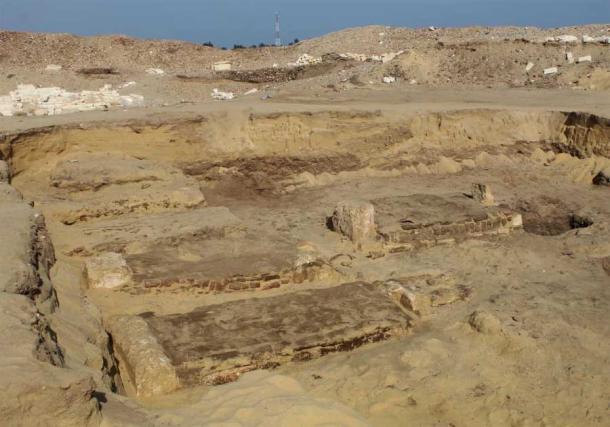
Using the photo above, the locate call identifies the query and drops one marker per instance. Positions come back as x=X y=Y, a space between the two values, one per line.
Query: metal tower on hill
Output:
x=278 y=40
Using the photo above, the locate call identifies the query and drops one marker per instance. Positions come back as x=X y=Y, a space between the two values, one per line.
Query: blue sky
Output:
x=225 y=22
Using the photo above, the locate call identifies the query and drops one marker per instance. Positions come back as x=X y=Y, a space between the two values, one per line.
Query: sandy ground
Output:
x=193 y=195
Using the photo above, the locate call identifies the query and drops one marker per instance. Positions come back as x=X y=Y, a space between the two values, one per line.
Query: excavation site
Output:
x=344 y=250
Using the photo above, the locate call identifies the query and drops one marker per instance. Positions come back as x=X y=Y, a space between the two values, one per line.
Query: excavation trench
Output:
x=215 y=226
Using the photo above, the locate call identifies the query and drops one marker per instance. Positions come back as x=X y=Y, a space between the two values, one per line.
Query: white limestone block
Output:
x=550 y=71
x=107 y=271
x=222 y=96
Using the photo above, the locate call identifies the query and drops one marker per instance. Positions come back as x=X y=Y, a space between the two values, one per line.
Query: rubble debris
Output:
x=566 y=39
x=602 y=179
x=222 y=96
x=570 y=57
x=582 y=59
x=355 y=220
x=384 y=57
x=47 y=101
x=132 y=100
x=602 y=39
x=53 y=67
x=155 y=71
x=529 y=67
x=107 y=271
x=550 y=71
x=482 y=194
x=389 y=79
x=127 y=84
x=221 y=66
x=304 y=60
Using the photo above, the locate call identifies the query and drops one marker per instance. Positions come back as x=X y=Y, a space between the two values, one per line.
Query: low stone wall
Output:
x=444 y=233
x=308 y=272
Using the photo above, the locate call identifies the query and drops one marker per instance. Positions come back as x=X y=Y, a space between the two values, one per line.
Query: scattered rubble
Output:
x=529 y=67
x=602 y=39
x=222 y=96
x=127 y=84
x=563 y=39
x=385 y=57
x=304 y=60
x=389 y=79
x=570 y=57
x=30 y=100
x=155 y=71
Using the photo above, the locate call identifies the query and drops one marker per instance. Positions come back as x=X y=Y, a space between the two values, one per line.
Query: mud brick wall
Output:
x=236 y=283
x=431 y=234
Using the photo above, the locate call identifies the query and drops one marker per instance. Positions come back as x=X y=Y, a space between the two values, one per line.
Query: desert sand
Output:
x=334 y=248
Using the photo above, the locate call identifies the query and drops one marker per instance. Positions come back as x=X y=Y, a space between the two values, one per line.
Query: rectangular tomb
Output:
x=422 y=220
x=215 y=344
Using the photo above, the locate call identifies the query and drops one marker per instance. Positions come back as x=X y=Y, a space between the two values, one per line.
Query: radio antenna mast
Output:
x=278 y=40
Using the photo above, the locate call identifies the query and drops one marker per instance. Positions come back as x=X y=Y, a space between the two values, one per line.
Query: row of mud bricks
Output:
x=264 y=281
x=430 y=234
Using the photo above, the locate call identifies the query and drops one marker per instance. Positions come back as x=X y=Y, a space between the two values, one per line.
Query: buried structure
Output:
x=358 y=260
x=185 y=266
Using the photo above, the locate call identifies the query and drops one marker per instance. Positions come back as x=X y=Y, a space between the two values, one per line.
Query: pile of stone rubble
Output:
x=307 y=59
x=46 y=101
x=567 y=38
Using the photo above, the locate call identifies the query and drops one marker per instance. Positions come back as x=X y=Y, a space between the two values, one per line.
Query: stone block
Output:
x=147 y=369
x=482 y=194
x=567 y=39
x=107 y=271
x=551 y=71
x=221 y=66
x=583 y=59
x=355 y=220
